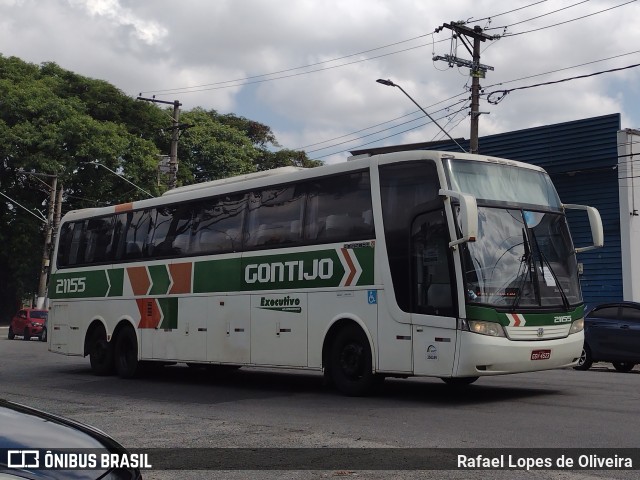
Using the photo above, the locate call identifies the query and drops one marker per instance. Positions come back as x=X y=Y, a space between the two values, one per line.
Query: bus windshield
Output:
x=521 y=259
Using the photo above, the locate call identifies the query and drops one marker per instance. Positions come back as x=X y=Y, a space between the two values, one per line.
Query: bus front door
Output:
x=433 y=300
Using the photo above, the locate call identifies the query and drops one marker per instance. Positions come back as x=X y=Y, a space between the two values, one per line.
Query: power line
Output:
x=539 y=16
x=220 y=85
x=504 y=93
x=458 y=95
x=291 y=69
x=380 y=139
x=504 y=13
x=568 y=21
x=249 y=79
x=562 y=69
x=380 y=131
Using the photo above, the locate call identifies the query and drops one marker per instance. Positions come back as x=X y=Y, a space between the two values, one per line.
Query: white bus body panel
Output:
x=229 y=329
x=279 y=337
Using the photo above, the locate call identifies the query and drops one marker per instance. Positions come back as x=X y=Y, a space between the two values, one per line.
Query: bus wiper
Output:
x=545 y=262
x=525 y=258
x=565 y=300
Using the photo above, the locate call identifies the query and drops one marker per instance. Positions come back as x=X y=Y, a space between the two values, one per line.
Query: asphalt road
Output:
x=178 y=407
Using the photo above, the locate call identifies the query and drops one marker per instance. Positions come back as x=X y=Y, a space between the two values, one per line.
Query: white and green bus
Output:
x=413 y=263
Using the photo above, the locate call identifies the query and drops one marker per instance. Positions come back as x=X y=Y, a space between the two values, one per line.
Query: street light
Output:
x=389 y=83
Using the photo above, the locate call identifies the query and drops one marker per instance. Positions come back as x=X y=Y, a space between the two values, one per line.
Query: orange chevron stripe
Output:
x=351 y=267
x=181 y=275
x=140 y=281
x=150 y=314
x=124 y=207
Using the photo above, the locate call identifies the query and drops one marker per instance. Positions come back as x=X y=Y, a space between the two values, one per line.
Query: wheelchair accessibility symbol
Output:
x=372 y=297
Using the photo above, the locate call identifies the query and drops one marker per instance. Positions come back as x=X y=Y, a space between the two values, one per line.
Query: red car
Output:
x=29 y=322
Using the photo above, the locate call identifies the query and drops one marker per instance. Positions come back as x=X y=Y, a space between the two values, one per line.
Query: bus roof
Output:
x=284 y=175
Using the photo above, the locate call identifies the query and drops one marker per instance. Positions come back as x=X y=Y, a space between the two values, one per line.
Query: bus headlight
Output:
x=492 y=329
x=577 y=326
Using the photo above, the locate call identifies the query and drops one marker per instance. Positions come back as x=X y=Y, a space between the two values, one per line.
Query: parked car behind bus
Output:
x=29 y=322
x=612 y=334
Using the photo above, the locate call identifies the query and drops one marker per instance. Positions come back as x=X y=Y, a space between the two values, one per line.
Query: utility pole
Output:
x=175 y=136
x=477 y=70
x=44 y=271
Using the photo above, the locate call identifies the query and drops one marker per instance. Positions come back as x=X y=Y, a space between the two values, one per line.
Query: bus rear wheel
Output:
x=126 y=353
x=350 y=366
x=100 y=353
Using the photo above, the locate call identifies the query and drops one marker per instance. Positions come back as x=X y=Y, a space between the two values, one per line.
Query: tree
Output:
x=46 y=126
x=56 y=122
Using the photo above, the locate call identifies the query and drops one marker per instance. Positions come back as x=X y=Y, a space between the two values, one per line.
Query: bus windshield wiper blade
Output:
x=545 y=262
x=565 y=300
x=523 y=276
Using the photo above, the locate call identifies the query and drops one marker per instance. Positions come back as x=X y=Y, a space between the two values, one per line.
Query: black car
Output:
x=26 y=434
x=612 y=334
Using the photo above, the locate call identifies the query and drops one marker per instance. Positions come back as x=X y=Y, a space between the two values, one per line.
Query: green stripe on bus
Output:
x=169 y=308
x=116 y=280
x=216 y=276
x=332 y=267
x=160 y=280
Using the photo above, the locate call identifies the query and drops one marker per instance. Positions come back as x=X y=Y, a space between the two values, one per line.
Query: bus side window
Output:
x=64 y=245
x=218 y=225
x=171 y=233
x=139 y=223
x=275 y=216
x=339 y=209
x=76 y=254
x=98 y=239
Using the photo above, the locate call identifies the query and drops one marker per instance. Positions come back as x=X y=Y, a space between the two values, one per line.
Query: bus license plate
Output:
x=540 y=354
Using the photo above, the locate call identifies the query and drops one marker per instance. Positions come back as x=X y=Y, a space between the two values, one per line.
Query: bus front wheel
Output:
x=459 y=381
x=126 y=353
x=350 y=362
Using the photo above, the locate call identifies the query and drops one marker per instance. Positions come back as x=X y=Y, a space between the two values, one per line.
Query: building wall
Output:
x=629 y=181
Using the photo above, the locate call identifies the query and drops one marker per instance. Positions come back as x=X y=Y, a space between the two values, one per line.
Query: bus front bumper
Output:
x=484 y=355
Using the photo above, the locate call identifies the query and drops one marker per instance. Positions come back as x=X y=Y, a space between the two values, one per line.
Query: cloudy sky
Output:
x=307 y=68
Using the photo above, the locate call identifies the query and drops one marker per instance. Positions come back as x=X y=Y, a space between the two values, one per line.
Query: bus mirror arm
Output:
x=597 y=233
x=468 y=216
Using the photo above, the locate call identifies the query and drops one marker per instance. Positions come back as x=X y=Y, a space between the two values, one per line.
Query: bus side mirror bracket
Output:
x=597 y=232
x=468 y=216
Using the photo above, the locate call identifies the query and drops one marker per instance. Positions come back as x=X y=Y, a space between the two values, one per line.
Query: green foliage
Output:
x=55 y=122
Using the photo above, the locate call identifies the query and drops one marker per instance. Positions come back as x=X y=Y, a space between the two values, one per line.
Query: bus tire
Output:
x=458 y=381
x=126 y=353
x=100 y=352
x=350 y=365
